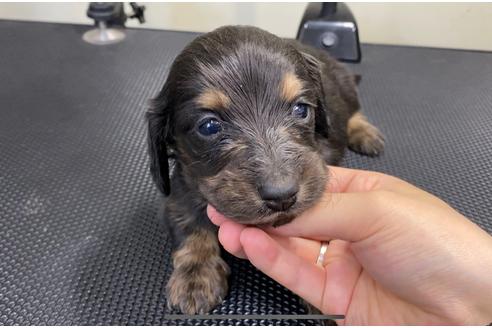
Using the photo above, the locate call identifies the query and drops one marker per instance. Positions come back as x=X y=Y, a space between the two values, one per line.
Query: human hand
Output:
x=398 y=255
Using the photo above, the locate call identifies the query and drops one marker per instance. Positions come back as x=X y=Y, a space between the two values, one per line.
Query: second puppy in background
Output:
x=251 y=121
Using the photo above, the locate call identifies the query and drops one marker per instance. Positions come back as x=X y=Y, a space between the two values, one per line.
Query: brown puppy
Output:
x=250 y=121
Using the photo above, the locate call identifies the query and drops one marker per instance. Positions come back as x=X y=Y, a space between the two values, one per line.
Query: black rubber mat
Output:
x=79 y=239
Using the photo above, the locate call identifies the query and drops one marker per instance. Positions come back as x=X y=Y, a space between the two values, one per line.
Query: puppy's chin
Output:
x=279 y=219
x=274 y=219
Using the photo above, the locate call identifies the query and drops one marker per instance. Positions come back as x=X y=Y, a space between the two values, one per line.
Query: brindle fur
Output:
x=261 y=139
x=213 y=99
x=290 y=87
x=199 y=279
x=364 y=138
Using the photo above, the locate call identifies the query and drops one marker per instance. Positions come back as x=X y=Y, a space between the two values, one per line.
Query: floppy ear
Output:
x=158 y=118
x=313 y=66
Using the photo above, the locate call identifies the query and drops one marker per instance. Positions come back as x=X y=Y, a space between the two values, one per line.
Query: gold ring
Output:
x=322 y=252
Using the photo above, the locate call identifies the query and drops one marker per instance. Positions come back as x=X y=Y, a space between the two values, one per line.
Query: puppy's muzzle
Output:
x=279 y=195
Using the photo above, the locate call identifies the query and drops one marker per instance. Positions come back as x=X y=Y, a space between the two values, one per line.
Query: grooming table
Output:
x=80 y=242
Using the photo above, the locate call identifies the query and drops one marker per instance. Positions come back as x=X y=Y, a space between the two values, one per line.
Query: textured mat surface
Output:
x=79 y=239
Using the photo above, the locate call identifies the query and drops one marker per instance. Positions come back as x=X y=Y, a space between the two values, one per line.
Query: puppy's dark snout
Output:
x=279 y=195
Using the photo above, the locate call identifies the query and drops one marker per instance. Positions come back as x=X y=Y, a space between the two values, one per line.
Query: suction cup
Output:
x=103 y=35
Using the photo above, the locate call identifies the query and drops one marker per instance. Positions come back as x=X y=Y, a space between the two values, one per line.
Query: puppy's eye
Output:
x=209 y=127
x=300 y=110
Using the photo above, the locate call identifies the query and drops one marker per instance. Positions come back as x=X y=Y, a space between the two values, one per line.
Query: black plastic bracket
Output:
x=112 y=14
x=331 y=26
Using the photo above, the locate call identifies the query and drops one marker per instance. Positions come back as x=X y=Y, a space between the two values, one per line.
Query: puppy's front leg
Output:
x=199 y=280
x=364 y=138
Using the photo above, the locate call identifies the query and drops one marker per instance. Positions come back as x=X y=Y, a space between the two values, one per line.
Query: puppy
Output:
x=250 y=121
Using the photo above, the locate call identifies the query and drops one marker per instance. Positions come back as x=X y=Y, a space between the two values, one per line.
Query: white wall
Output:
x=450 y=25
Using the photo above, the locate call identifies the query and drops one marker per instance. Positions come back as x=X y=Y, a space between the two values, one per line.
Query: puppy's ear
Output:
x=313 y=66
x=158 y=118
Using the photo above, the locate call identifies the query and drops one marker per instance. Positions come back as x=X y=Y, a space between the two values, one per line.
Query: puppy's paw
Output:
x=368 y=141
x=364 y=138
x=197 y=288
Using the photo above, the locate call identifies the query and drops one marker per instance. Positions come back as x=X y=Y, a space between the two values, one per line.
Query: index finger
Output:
x=343 y=180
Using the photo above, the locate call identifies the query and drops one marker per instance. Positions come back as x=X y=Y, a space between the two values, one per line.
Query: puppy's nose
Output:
x=279 y=196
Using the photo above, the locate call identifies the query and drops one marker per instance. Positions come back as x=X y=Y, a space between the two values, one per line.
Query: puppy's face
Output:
x=243 y=126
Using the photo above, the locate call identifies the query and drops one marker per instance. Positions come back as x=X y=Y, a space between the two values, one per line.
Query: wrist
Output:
x=484 y=312
x=475 y=284
x=480 y=307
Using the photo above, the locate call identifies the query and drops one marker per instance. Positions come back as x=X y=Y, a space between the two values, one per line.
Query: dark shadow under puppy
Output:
x=251 y=121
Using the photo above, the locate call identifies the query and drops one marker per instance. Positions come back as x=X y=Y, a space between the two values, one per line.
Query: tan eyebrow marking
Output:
x=213 y=99
x=290 y=87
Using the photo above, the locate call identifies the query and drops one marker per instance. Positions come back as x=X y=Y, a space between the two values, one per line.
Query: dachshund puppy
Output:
x=250 y=121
